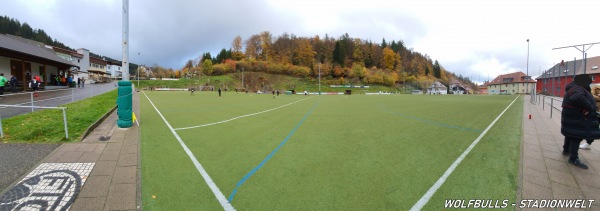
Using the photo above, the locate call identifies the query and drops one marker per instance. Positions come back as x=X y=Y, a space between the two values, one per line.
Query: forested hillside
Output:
x=351 y=60
x=345 y=59
x=14 y=27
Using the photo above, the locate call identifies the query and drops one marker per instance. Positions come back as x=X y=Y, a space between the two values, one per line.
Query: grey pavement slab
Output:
x=546 y=173
x=18 y=159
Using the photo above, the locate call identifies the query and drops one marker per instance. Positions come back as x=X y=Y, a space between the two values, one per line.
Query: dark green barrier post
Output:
x=124 y=100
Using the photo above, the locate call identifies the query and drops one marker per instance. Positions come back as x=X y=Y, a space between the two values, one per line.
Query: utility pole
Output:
x=243 y=78
x=124 y=101
x=319 y=78
x=125 y=63
x=582 y=50
x=138 y=74
x=527 y=77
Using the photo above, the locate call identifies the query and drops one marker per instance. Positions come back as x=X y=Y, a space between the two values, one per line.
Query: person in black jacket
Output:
x=579 y=118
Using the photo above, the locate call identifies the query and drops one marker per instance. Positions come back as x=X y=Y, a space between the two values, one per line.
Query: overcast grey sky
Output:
x=474 y=38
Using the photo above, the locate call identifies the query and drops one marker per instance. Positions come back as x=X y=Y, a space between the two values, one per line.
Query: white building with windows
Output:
x=114 y=70
x=512 y=83
x=80 y=58
x=437 y=88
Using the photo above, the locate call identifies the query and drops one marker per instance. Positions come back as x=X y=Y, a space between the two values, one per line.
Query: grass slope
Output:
x=46 y=126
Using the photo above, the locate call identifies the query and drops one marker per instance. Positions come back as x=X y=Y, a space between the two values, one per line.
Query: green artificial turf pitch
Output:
x=357 y=152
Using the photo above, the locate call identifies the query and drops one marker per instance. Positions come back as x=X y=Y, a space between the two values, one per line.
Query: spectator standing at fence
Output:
x=219 y=91
x=70 y=81
x=13 y=83
x=82 y=82
x=35 y=85
x=78 y=82
x=3 y=82
x=579 y=119
x=596 y=94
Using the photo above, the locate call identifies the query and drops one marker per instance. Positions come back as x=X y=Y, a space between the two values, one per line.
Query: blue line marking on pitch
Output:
x=270 y=155
x=434 y=123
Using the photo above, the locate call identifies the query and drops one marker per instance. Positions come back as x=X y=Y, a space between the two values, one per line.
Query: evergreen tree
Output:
x=222 y=56
x=26 y=31
x=437 y=70
x=206 y=56
x=338 y=53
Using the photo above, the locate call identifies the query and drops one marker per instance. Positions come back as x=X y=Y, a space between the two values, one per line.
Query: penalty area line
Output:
x=211 y=184
x=419 y=205
x=238 y=117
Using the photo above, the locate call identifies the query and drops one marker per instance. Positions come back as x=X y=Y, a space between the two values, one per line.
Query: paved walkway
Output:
x=100 y=173
x=545 y=171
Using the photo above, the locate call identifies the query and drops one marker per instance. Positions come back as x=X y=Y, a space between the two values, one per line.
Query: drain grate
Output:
x=104 y=138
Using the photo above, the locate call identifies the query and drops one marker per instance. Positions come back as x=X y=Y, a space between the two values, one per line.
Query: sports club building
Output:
x=554 y=80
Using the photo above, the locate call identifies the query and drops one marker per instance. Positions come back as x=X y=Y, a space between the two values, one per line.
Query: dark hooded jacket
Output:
x=574 y=123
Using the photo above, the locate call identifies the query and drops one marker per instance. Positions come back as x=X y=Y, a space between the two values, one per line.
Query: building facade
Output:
x=437 y=88
x=512 y=83
x=26 y=58
x=97 y=70
x=554 y=80
x=458 y=89
x=114 y=70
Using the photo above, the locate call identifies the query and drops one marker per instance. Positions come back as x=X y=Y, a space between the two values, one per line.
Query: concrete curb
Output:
x=98 y=122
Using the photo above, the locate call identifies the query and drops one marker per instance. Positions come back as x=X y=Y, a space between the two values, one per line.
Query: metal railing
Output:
x=48 y=98
x=550 y=102
x=64 y=112
x=27 y=102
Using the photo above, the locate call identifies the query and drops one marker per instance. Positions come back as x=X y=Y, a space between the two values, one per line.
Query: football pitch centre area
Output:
x=295 y=152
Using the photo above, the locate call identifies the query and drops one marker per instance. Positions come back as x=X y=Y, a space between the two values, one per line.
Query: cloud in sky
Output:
x=468 y=37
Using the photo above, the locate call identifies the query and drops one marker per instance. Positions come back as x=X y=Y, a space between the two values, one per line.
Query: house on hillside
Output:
x=458 y=89
x=437 y=88
x=512 y=83
x=554 y=80
x=26 y=58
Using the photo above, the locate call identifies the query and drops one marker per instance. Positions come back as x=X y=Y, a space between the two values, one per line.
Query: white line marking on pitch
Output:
x=419 y=205
x=234 y=118
x=226 y=205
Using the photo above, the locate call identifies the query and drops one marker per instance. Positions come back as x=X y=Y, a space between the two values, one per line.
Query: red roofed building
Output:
x=554 y=80
x=483 y=88
x=512 y=83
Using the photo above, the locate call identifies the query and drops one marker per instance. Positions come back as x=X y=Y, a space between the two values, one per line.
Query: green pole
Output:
x=124 y=105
